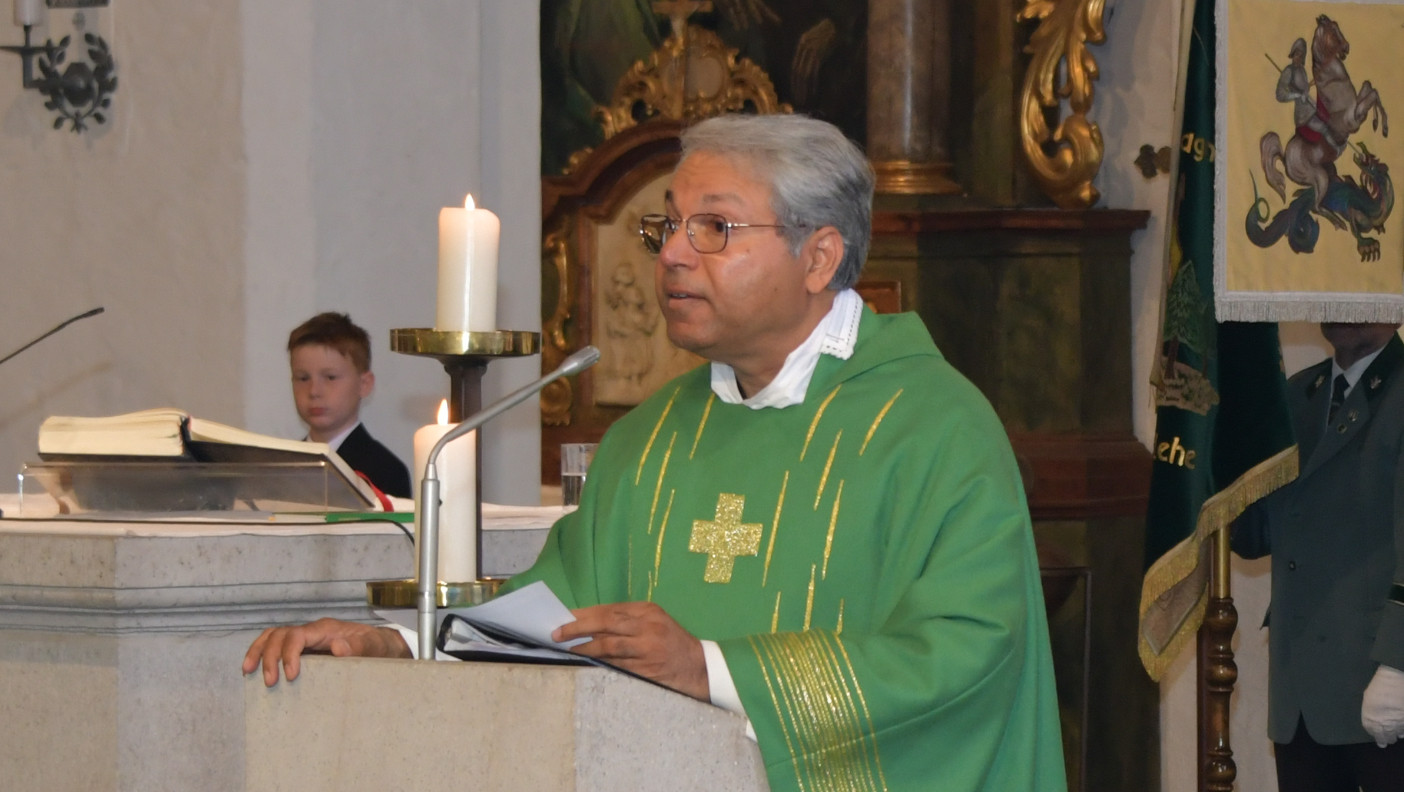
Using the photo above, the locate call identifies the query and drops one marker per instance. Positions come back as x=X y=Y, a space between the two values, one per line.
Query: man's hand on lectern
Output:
x=324 y=636
x=642 y=638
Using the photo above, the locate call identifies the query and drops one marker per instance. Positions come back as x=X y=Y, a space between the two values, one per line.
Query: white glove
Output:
x=1382 y=714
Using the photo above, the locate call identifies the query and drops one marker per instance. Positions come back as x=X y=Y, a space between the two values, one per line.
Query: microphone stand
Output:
x=84 y=315
x=426 y=585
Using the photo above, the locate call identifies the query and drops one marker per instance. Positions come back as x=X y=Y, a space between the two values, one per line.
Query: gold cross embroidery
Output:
x=724 y=538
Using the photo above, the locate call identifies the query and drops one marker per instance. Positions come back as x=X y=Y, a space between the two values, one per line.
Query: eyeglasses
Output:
x=706 y=232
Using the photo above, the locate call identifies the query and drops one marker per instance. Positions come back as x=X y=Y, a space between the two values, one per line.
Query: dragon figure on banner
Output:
x=1325 y=121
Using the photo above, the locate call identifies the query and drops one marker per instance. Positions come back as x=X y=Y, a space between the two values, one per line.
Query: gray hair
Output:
x=817 y=177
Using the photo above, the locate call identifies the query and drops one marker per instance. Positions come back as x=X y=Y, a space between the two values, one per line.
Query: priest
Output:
x=822 y=530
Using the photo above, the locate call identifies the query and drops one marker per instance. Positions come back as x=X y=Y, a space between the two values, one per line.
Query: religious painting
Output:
x=1303 y=162
x=636 y=357
x=814 y=51
x=597 y=287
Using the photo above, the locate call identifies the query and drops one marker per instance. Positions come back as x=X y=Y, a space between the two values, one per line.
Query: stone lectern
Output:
x=404 y=724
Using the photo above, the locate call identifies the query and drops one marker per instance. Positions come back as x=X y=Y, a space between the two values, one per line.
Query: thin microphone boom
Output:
x=574 y=364
x=84 y=315
x=427 y=585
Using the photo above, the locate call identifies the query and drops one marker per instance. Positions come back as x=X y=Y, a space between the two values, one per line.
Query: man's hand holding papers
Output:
x=643 y=639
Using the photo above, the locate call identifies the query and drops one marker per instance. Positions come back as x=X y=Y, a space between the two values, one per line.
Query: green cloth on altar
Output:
x=864 y=559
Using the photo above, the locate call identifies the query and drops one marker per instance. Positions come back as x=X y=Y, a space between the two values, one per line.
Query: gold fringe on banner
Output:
x=1175 y=590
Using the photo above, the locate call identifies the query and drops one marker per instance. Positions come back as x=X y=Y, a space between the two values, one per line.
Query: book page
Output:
x=217 y=442
x=202 y=429
x=154 y=432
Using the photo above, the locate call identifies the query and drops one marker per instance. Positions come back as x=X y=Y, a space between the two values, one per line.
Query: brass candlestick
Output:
x=465 y=355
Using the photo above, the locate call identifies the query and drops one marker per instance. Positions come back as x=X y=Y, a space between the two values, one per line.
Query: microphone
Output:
x=84 y=315
x=427 y=585
x=572 y=365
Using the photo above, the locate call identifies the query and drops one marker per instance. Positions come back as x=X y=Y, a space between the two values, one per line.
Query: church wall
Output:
x=142 y=215
x=266 y=160
x=401 y=110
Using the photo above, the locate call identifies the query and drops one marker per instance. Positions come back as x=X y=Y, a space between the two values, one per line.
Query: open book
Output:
x=166 y=433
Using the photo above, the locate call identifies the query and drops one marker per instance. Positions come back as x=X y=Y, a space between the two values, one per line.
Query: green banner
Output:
x=1223 y=436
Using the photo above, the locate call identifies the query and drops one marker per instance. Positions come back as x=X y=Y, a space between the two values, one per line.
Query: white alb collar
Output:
x=836 y=334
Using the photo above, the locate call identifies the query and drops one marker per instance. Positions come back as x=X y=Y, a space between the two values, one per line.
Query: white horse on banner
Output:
x=1311 y=154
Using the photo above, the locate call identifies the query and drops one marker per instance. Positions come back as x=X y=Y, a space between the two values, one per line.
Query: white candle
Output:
x=457 y=471
x=29 y=12
x=467 y=269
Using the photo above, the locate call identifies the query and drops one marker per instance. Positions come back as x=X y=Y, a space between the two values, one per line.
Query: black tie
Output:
x=1338 y=394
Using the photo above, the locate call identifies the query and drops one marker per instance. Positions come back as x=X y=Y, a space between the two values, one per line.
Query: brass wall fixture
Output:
x=1152 y=161
x=80 y=93
x=1066 y=158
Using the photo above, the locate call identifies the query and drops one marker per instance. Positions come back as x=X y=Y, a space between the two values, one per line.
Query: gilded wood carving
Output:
x=1064 y=159
x=689 y=77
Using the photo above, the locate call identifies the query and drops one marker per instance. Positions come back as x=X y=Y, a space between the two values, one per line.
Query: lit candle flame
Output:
x=468 y=202
x=443 y=412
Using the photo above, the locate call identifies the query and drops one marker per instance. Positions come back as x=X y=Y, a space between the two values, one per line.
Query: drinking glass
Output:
x=575 y=460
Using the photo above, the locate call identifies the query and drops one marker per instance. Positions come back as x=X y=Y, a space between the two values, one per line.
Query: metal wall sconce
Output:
x=82 y=91
x=1153 y=162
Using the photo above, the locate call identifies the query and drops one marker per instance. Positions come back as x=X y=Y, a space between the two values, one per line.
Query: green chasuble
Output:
x=864 y=559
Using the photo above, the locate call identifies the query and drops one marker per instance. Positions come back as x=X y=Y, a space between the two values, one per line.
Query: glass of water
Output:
x=575 y=460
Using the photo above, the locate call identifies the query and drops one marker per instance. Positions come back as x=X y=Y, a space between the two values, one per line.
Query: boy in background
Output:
x=330 y=360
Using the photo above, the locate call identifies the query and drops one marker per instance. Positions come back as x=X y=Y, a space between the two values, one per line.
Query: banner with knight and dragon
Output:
x=1303 y=156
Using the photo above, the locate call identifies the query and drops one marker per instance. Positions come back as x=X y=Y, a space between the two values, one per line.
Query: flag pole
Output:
x=1217 y=673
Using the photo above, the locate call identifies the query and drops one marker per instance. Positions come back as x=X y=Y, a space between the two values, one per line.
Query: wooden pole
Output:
x=1217 y=674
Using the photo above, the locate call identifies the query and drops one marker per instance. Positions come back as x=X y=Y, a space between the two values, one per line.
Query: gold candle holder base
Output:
x=465 y=355
x=447 y=344
x=405 y=593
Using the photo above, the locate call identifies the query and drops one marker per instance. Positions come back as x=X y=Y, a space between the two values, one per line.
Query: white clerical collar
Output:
x=1356 y=370
x=836 y=334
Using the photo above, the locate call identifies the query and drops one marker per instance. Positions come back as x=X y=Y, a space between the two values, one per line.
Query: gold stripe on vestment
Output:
x=833 y=521
x=774 y=528
x=817 y=703
x=658 y=486
x=814 y=424
x=706 y=411
x=838 y=630
x=826 y=676
x=853 y=755
x=649 y=445
x=862 y=761
x=881 y=414
x=809 y=601
x=863 y=700
x=775 y=617
x=658 y=553
x=796 y=730
x=775 y=702
x=829 y=463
